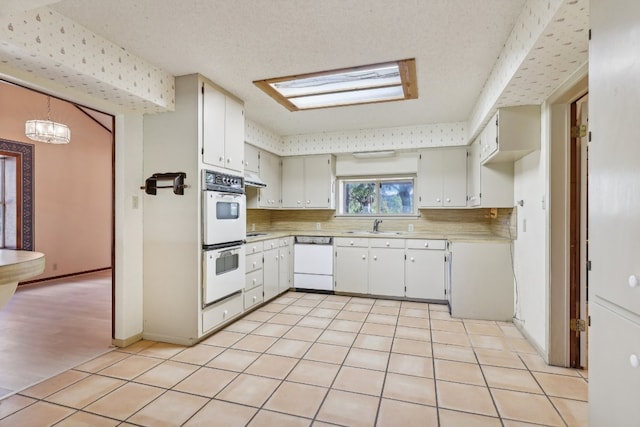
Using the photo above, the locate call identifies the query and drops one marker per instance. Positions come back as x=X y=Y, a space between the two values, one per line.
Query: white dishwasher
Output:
x=313 y=263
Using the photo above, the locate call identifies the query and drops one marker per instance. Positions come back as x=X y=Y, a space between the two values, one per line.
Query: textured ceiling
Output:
x=455 y=42
x=472 y=56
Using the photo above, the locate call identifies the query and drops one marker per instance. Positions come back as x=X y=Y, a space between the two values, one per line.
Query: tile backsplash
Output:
x=472 y=222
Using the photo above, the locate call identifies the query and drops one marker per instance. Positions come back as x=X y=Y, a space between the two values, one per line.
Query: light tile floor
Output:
x=310 y=359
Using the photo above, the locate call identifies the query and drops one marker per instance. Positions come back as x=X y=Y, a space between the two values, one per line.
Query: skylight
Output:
x=390 y=81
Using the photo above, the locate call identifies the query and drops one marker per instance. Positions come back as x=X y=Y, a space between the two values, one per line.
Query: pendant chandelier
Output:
x=47 y=130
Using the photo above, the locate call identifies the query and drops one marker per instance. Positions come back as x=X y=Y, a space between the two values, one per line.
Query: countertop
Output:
x=452 y=237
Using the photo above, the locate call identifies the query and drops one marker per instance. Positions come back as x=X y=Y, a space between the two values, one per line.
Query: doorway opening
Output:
x=63 y=206
x=578 y=233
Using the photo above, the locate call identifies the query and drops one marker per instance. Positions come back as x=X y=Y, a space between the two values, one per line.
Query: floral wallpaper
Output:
x=46 y=43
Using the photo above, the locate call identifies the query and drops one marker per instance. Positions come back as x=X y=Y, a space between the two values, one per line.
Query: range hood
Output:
x=253 y=180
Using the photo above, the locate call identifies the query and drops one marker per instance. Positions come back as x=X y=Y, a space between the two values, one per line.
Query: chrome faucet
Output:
x=376 y=223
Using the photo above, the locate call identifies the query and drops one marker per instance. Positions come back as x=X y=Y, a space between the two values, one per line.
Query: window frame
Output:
x=378 y=180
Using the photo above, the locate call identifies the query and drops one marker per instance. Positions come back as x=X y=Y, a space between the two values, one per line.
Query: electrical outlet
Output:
x=318 y=226
x=410 y=228
x=253 y=227
x=134 y=202
x=524 y=225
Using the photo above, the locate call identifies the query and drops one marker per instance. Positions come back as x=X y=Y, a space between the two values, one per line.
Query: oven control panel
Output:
x=218 y=181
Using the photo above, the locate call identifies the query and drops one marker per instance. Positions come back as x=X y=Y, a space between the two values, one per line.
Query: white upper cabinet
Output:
x=251 y=158
x=511 y=134
x=308 y=182
x=271 y=174
x=442 y=178
x=489 y=185
x=222 y=130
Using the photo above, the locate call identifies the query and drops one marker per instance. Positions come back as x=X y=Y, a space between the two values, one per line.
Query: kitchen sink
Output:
x=255 y=234
x=380 y=233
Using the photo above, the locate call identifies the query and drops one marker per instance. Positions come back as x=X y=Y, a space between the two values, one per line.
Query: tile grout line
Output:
x=475 y=354
x=433 y=367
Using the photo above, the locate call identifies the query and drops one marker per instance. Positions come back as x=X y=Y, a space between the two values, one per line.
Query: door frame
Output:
x=577 y=233
x=559 y=220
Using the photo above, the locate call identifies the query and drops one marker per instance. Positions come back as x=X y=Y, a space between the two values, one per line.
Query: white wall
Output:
x=128 y=230
x=530 y=262
x=541 y=252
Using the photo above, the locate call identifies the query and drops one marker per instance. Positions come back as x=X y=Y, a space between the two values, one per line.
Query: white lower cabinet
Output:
x=424 y=269
x=285 y=269
x=221 y=312
x=253 y=297
x=482 y=283
x=352 y=265
x=271 y=276
x=386 y=263
x=412 y=268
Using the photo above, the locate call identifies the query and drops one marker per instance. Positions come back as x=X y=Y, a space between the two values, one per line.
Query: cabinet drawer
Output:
x=360 y=242
x=221 y=312
x=253 y=279
x=254 y=262
x=387 y=243
x=426 y=244
x=253 y=297
x=285 y=242
x=270 y=244
x=254 y=247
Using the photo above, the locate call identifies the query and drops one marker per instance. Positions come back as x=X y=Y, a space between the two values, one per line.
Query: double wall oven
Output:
x=223 y=236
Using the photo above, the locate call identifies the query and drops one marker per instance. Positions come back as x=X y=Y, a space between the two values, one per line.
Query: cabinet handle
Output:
x=634 y=360
x=299 y=202
x=254 y=264
x=254 y=281
x=229 y=160
x=254 y=298
x=221 y=159
x=375 y=257
x=308 y=201
x=387 y=243
x=364 y=257
x=448 y=200
x=426 y=245
x=413 y=259
x=633 y=281
x=224 y=313
x=438 y=199
x=351 y=243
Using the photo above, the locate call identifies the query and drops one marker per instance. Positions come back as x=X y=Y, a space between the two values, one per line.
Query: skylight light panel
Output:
x=390 y=81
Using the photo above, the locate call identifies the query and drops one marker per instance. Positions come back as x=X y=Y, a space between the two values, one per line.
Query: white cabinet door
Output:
x=482 y=282
x=489 y=137
x=425 y=274
x=271 y=274
x=308 y=182
x=318 y=182
x=234 y=135
x=252 y=158
x=385 y=271
x=293 y=182
x=284 y=265
x=213 y=126
x=430 y=179
x=442 y=178
x=222 y=130
x=473 y=174
x=271 y=174
x=351 y=270
x=454 y=177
